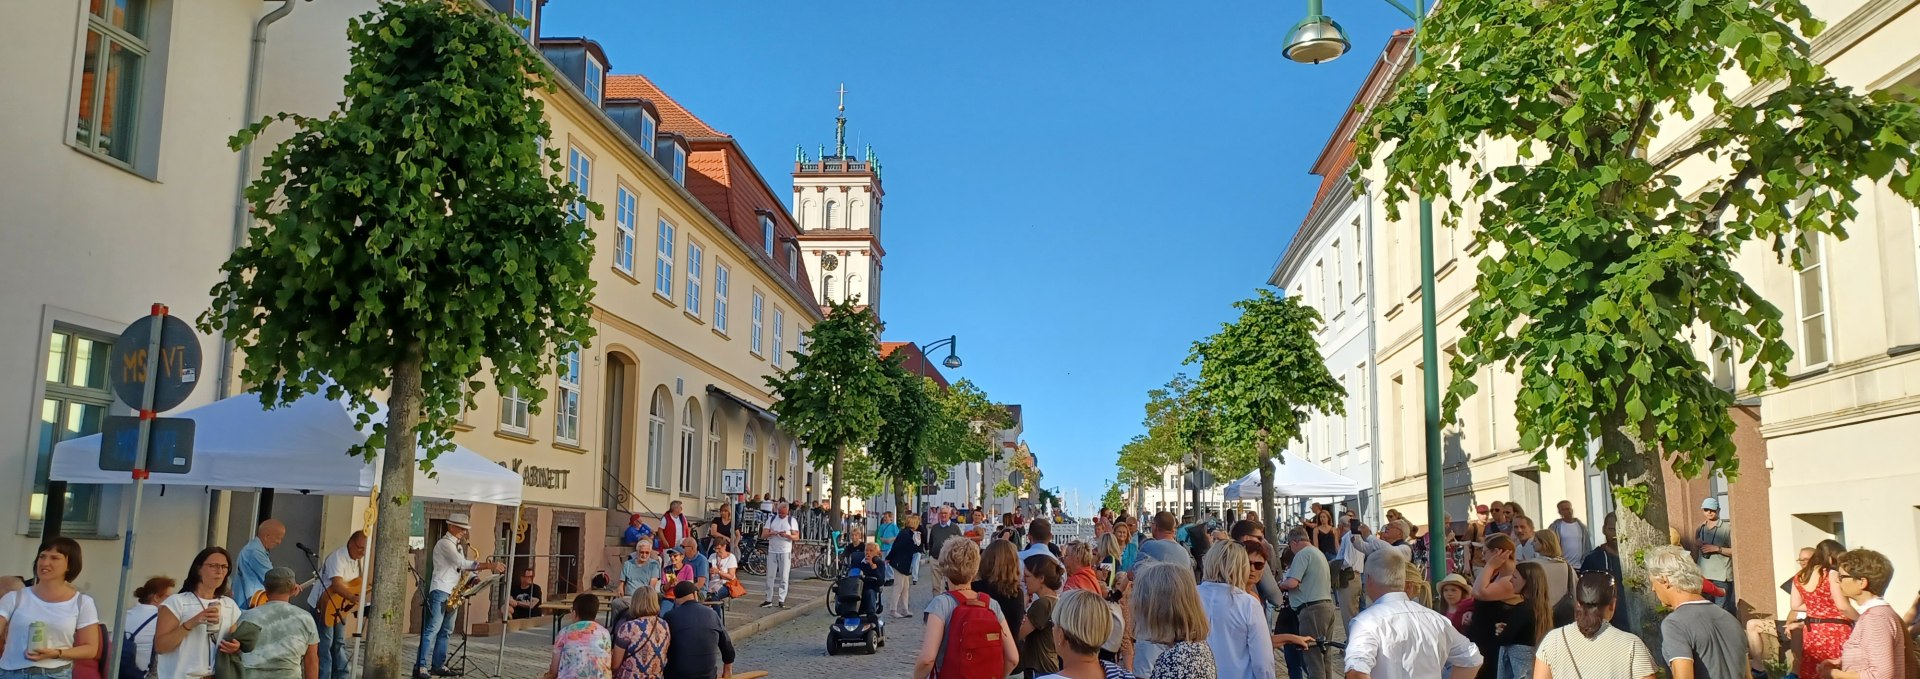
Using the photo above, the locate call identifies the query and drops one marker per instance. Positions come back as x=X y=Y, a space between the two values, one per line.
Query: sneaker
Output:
x=766 y=604
x=782 y=604
x=443 y=672
x=419 y=673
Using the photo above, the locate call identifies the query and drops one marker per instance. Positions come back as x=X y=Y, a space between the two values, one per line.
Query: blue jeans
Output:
x=333 y=648
x=434 y=633
x=38 y=673
x=1516 y=662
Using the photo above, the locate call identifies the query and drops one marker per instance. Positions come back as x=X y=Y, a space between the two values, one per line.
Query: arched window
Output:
x=656 y=439
x=853 y=291
x=826 y=288
x=716 y=458
x=832 y=207
x=689 y=447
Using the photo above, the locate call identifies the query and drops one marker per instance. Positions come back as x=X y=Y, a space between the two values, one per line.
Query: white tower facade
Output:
x=836 y=203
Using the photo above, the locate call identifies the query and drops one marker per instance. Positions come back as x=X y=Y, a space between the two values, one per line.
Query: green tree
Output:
x=1600 y=264
x=1262 y=376
x=1112 y=499
x=830 y=399
x=1178 y=433
x=403 y=242
x=962 y=431
x=907 y=411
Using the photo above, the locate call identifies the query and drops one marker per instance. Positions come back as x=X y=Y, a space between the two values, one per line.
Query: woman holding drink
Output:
x=189 y=631
x=46 y=627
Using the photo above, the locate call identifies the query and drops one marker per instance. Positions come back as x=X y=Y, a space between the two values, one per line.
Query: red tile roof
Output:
x=914 y=360
x=673 y=116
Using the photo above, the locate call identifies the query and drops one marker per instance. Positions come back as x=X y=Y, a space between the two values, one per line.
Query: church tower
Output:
x=836 y=203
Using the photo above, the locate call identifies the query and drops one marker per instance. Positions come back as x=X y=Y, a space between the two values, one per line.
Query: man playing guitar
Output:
x=331 y=602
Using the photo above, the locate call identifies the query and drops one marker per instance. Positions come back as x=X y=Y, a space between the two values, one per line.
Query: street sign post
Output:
x=733 y=482
x=153 y=367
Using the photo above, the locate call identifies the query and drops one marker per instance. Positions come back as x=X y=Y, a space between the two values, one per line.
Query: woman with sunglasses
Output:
x=1877 y=649
x=188 y=635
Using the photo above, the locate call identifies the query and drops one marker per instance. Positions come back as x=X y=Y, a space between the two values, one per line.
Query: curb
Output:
x=747 y=631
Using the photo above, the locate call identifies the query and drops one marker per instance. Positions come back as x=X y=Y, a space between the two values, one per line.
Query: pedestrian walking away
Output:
x=698 y=646
x=1171 y=625
x=46 y=628
x=1396 y=638
x=136 y=647
x=640 y=642
x=966 y=632
x=1591 y=647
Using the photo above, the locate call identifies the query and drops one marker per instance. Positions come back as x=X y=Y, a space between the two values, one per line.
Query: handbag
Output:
x=735 y=589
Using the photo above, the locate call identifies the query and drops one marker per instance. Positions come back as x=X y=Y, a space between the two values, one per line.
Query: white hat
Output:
x=459 y=520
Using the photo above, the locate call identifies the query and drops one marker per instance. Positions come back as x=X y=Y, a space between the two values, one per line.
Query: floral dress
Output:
x=1186 y=660
x=1827 y=628
x=645 y=642
x=583 y=651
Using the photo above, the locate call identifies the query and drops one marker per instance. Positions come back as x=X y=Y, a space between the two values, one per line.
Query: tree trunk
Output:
x=1638 y=470
x=839 y=477
x=986 y=481
x=386 y=630
x=1266 y=487
x=900 y=499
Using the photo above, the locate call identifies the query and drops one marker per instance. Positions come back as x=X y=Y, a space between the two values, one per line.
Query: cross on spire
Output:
x=840 y=126
x=843 y=97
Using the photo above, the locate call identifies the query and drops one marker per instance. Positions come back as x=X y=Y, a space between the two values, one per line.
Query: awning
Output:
x=757 y=410
x=301 y=446
x=1297 y=478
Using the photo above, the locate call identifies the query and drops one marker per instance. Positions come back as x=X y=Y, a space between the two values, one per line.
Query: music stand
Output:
x=457 y=662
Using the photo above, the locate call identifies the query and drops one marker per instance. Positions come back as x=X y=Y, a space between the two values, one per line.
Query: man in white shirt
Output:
x=449 y=561
x=1572 y=533
x=779 y=532
x=1398 y=639
x=339 y=586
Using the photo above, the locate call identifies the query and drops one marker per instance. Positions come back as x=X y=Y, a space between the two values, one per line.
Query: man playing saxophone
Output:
x=449 y=564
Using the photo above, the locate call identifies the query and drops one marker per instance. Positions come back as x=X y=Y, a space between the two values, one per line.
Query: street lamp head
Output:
x=1317 y=38
x=952 y=362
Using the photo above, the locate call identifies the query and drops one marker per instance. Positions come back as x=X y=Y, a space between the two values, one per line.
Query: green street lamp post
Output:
x=1318 y=39
x=952 y=362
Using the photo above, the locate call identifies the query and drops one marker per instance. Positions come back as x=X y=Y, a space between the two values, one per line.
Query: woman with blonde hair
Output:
x=959 y=564
x=1171 y=617
x=1559 y=575
x=1238 y=636
x=1080 y=625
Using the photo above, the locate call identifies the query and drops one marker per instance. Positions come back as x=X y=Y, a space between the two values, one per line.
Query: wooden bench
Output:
x=559 y=611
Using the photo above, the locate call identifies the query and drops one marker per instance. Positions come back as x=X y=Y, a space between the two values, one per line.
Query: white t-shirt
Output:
x=779 y=544
x=139 y=615
x=23 y=608
x=194 y=656
x=730 y=562
x=339 y=564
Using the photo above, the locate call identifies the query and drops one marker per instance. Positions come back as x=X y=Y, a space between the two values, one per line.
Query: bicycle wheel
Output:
x=754 y=561
x=826 y=567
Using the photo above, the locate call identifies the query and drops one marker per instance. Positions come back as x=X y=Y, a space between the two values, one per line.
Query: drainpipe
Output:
x=249 y=113
x=1373 y=365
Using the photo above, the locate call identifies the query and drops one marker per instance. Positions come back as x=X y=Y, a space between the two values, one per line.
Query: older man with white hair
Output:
x=1698 y=639
x=1396 y=638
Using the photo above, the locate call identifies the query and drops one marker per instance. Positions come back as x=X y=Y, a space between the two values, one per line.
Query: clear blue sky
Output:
x=1077 y=189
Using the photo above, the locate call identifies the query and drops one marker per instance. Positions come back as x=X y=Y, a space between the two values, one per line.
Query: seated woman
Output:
x=872 y=570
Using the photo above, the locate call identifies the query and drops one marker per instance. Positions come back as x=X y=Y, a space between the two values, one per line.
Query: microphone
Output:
x=304 y=548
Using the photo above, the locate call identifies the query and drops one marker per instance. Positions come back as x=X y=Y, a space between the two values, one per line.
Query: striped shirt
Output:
x=1877 y=648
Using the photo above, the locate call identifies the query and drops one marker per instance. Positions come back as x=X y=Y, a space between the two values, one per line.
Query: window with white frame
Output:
x=779 y=337
x=689 y=449
x=714 y=458
x=1339 y=284
x=623 y=217
x=513 y=411
x=1816 y=322
x=832 y=208
x=663 y=261
x=580 y=174
x=1359 y=262
x=694 y=276
x=793 y=262
x=722 y=279
x=656 y=439
x=748 y=446
x=75 y=404
x=1320 y=285
x=826 y=287
x=647 y=134
x=107 y=119
x=594 y=74
x=766 y=234
x=523 y=10
x=566 y=400
x=759 y=304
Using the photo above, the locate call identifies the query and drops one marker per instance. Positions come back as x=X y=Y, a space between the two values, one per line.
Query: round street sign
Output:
x=178 y=363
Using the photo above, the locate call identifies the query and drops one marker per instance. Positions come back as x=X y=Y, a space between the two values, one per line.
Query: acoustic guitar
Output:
x=334 y=607
x=260 y=598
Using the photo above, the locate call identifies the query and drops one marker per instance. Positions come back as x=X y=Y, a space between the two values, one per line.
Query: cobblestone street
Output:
x=798 y=649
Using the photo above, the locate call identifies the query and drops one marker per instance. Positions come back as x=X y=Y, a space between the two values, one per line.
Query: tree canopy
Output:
x=1607 y=246
x=405 y=241
x=830 y=398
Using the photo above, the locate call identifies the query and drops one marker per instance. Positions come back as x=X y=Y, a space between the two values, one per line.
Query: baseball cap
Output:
x=1482 y=509
x=1710 y=503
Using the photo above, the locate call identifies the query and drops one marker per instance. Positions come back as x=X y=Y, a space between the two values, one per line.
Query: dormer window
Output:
x=793 y=262
x=671 y=153
x=523 y=10
x=596 y=75
x=648 y=128
x=766 y=234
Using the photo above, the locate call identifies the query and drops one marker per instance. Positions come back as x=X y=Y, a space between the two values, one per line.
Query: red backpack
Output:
x=970 y=648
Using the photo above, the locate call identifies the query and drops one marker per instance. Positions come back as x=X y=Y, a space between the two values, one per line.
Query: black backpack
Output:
x=130 y=652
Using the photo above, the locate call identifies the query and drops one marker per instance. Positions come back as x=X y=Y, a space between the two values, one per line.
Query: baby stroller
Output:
x=855 y=622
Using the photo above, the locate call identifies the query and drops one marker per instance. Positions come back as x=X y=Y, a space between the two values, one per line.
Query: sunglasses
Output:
x=1846 y=576
x=1259 y=565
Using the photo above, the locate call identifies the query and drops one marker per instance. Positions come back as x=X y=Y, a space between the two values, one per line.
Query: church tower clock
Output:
x=836 y=203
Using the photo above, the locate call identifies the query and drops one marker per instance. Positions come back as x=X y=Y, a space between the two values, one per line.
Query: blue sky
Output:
x=1077 y=189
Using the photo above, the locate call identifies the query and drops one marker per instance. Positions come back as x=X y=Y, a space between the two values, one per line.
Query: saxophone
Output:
x=466 y=587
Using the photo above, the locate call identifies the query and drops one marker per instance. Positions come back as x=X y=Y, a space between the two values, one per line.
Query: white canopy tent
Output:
x=298 y=447
x=1297 y=478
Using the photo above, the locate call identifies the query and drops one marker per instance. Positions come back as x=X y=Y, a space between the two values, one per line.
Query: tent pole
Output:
x=506 y=616
x=360 y=613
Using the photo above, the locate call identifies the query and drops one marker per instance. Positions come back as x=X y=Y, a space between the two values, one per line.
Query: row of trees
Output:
x=873 y=420
x=1261 y=377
